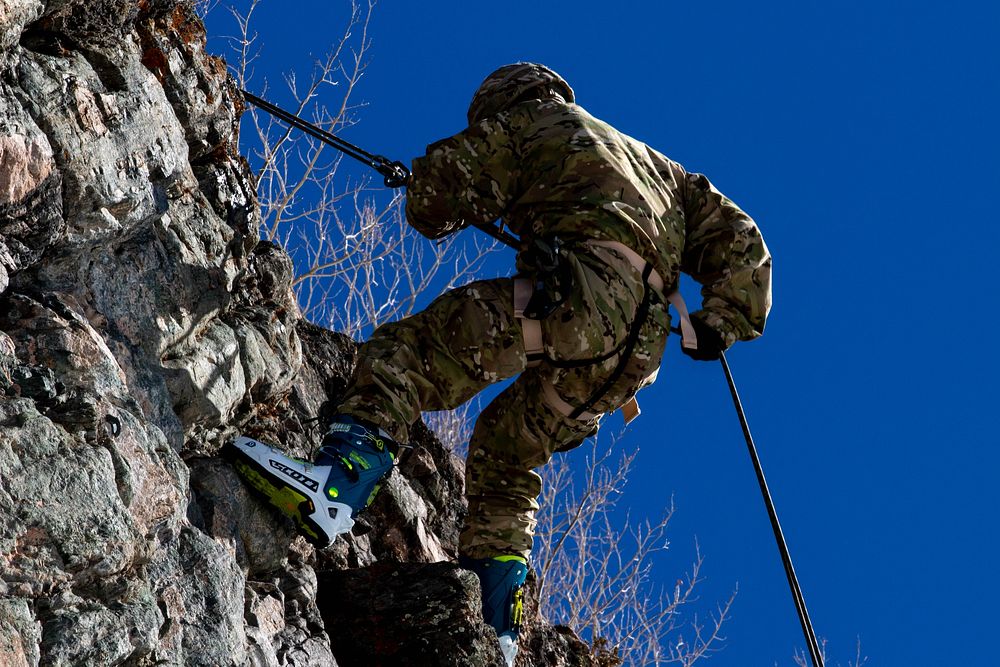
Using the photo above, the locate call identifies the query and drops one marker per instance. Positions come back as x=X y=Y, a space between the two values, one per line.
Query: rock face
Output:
x=142 y=325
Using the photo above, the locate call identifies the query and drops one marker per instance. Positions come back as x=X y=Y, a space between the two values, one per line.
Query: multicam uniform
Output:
x=548 y=168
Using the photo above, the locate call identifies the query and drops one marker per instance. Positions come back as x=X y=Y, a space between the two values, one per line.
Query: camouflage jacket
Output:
x=548 y=167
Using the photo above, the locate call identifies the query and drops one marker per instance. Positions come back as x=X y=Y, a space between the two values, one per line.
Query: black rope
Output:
x=786 y=559
x=395 y=173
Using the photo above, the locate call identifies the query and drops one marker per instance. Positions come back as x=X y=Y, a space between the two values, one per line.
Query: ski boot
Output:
x=502 y=580
x=322 y=497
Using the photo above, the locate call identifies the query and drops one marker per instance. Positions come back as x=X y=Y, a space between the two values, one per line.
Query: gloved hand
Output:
x=710 y=341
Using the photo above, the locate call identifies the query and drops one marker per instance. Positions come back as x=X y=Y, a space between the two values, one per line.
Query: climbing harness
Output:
x=531 y=328
x=537 y=297
x=786 y=559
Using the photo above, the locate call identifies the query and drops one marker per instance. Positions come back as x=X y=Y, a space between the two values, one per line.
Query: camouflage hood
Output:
x=513 y=83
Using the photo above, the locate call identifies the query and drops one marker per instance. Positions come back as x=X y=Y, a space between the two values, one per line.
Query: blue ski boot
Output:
x=502 y=579
x=322 y=497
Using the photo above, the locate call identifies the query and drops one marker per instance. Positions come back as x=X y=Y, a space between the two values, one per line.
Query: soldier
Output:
x=607 y=224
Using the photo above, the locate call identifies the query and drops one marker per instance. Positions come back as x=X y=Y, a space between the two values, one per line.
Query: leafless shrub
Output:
x=595 y=573
x=802 y=659
x=357 y=261
x=204 y=7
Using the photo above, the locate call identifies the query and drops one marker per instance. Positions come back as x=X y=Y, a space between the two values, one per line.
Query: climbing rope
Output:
x=394 y=173
x=786 y=559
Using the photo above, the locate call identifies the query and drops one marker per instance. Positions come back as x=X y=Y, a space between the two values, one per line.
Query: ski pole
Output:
x=786 y=559
x=395 y=173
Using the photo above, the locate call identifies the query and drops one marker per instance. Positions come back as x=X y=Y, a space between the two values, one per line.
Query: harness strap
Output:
x=534 y=349
x=634 y=258
x=556 y=401
x=688 y=337
x=531 y=330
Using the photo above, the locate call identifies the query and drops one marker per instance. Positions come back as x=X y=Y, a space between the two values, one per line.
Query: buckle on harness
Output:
x=551 y=279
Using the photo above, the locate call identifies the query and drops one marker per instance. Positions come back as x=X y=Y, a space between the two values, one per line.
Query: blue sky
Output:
x=862 y=138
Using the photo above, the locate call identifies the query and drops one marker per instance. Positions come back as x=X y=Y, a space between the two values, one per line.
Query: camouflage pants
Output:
x=467 y=339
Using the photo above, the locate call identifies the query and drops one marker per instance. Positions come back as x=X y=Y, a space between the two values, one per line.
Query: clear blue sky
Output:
x=862 y=138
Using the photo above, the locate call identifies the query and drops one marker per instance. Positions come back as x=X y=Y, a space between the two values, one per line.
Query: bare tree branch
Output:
x=357 y=262
x=596 y=573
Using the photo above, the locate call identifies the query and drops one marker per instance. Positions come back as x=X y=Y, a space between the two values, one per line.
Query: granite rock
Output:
x=143 y=324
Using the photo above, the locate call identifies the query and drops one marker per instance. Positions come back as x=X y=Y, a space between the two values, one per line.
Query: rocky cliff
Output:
x=142 y=325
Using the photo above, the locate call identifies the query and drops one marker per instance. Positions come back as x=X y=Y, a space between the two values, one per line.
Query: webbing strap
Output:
x=553 y=398
x=630 y=411
x=531 y=330
x=534 y=350
x=689 y=338
x=634 y=258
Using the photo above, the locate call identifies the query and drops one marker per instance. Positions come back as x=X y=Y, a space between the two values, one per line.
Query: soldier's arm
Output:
x=462 y=180
x=725 y=252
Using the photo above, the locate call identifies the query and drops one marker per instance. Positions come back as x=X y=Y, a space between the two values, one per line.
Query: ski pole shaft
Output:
x=793 y=582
